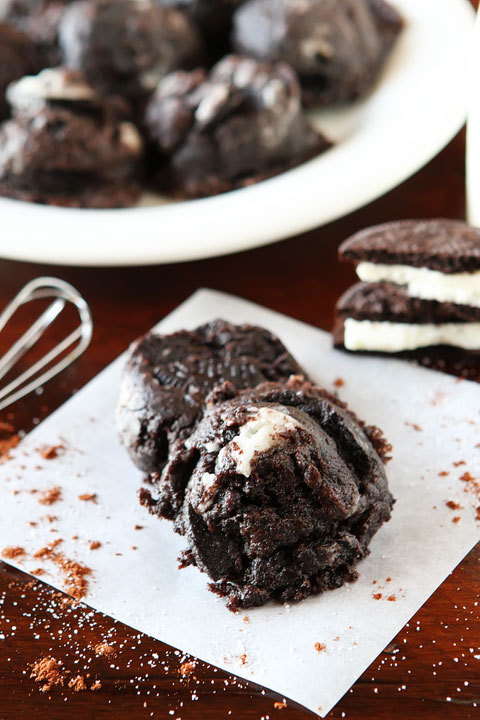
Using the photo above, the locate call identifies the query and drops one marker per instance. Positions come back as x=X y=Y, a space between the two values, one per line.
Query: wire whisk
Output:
x=33 y=378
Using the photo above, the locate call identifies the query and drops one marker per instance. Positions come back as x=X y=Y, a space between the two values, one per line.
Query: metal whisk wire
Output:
x=63 y=293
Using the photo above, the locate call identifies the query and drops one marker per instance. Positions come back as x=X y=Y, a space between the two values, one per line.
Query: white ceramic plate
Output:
x=419 y=105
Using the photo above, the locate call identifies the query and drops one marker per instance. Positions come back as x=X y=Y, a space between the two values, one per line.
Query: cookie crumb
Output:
x=456 y=519
x=339 y=382
x=96 y=685
x=280 y=705
x=377 y=596
x=138 y=527
x=320 y=647
x=392 y=598
x=95 y=544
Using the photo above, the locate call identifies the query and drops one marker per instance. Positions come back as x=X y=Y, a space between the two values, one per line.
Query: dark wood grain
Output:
x=429 y=671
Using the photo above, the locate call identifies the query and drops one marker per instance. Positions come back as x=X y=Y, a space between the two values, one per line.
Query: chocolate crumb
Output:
x=138 y=527
x=467 y=477
x=96 y=685
x=280 y=705
x=320 y=647
x=460 y=462
x=456 y=519
x=339 y=382
x=443 y=473
x=95 y=544
x=244 y=658
x=392 y=598
x=38 y=571
x=49 y=497
x=377 y=596
x=11 y=553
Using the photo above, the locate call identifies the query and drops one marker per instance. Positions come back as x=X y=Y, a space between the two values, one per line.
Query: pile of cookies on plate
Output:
x=102 y=98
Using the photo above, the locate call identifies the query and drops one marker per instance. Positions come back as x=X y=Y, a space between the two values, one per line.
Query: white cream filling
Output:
x=257 y=435
x=50 y=84
x=459 y=288
x=395 y=337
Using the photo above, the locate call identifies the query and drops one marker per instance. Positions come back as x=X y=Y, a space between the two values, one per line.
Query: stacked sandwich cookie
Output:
x=420 y=288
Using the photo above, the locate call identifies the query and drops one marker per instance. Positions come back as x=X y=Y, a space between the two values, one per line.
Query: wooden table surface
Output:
x=432 y=668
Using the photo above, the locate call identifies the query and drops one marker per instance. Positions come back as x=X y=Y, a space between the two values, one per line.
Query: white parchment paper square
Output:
x=432 y=421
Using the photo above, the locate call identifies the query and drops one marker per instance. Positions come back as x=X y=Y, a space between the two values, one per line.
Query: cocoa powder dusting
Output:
x=453 y=505
x=77 y=684
x=51 y=451
x=187 y=669
x=88 y=497
x=49 y=497
x=11 y=553
x=104 y=649
x=47 y=672
x=8 y=442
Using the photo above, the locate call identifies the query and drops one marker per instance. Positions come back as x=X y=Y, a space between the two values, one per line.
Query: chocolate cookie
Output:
x=338 y=47
x=240 y=123
x=386 y=302
x=18 y=57
x=40 y=20
x=383 y=318
x=277 y=492
x=67 y=146
x=214 y=17
x=167 y=378
x=126 y=46
x=446 y=246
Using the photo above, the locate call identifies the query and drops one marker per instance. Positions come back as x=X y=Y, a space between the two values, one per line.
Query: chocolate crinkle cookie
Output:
x=338 y=47
x=18 y=57
x=214 y=17
x=40 y=19
x=67 y=146
x=241 y=122
x=167 y=378
x=278 y=492
x=127 y=46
